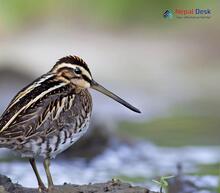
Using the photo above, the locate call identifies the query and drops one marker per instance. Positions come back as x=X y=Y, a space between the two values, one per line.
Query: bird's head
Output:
x=74 y=70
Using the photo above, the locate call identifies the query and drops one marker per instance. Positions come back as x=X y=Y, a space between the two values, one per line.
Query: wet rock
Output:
x=114 y=186
x=180 y=184
x=183 y=184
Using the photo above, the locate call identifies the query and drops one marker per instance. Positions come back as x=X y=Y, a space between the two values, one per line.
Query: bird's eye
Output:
x=77 y=70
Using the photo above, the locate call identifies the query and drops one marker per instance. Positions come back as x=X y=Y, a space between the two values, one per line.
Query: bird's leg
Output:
x=40 y=182
x=47 y=169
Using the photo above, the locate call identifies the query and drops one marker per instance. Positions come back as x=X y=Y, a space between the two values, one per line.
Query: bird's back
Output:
x=45 y=117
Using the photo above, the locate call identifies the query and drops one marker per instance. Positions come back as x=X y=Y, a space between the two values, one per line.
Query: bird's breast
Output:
x=70 y=125
x=67 y=137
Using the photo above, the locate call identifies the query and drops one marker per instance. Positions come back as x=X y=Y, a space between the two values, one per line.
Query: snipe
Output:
x=51 y=113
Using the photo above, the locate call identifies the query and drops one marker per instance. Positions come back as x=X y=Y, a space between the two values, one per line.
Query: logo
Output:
x=187 y=13
x=168 y=14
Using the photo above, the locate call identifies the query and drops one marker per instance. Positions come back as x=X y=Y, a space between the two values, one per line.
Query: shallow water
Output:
x=143 y=161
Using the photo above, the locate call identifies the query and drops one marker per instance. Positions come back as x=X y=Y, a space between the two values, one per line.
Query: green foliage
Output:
x=16 y=12
x=218 y=188
x=175 y=131
x=109 y=12
x=162 y=182
x=208 y=169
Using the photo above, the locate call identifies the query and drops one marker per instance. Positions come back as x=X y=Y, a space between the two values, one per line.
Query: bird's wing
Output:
x=39 y=101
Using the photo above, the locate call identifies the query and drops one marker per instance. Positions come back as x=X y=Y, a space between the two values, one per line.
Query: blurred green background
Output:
x=113 y=13
x=169 y=68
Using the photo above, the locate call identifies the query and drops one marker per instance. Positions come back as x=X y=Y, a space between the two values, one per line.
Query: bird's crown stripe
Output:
x=72 y=66
x=73 y=60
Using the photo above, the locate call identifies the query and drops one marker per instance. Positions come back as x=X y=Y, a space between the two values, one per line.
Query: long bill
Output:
x=106 y=92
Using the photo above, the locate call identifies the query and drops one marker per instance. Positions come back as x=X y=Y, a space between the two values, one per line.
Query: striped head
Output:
x=74 y=70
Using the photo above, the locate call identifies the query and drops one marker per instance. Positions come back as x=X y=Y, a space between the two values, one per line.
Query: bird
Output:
x=49 y=115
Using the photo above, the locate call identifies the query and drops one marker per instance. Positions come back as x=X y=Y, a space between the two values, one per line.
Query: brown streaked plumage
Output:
x=51 y=113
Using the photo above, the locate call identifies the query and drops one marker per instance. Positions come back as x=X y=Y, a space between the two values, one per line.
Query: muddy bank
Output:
x=116 y=186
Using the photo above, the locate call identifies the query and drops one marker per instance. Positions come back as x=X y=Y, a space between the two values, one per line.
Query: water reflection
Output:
x=138 y=163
